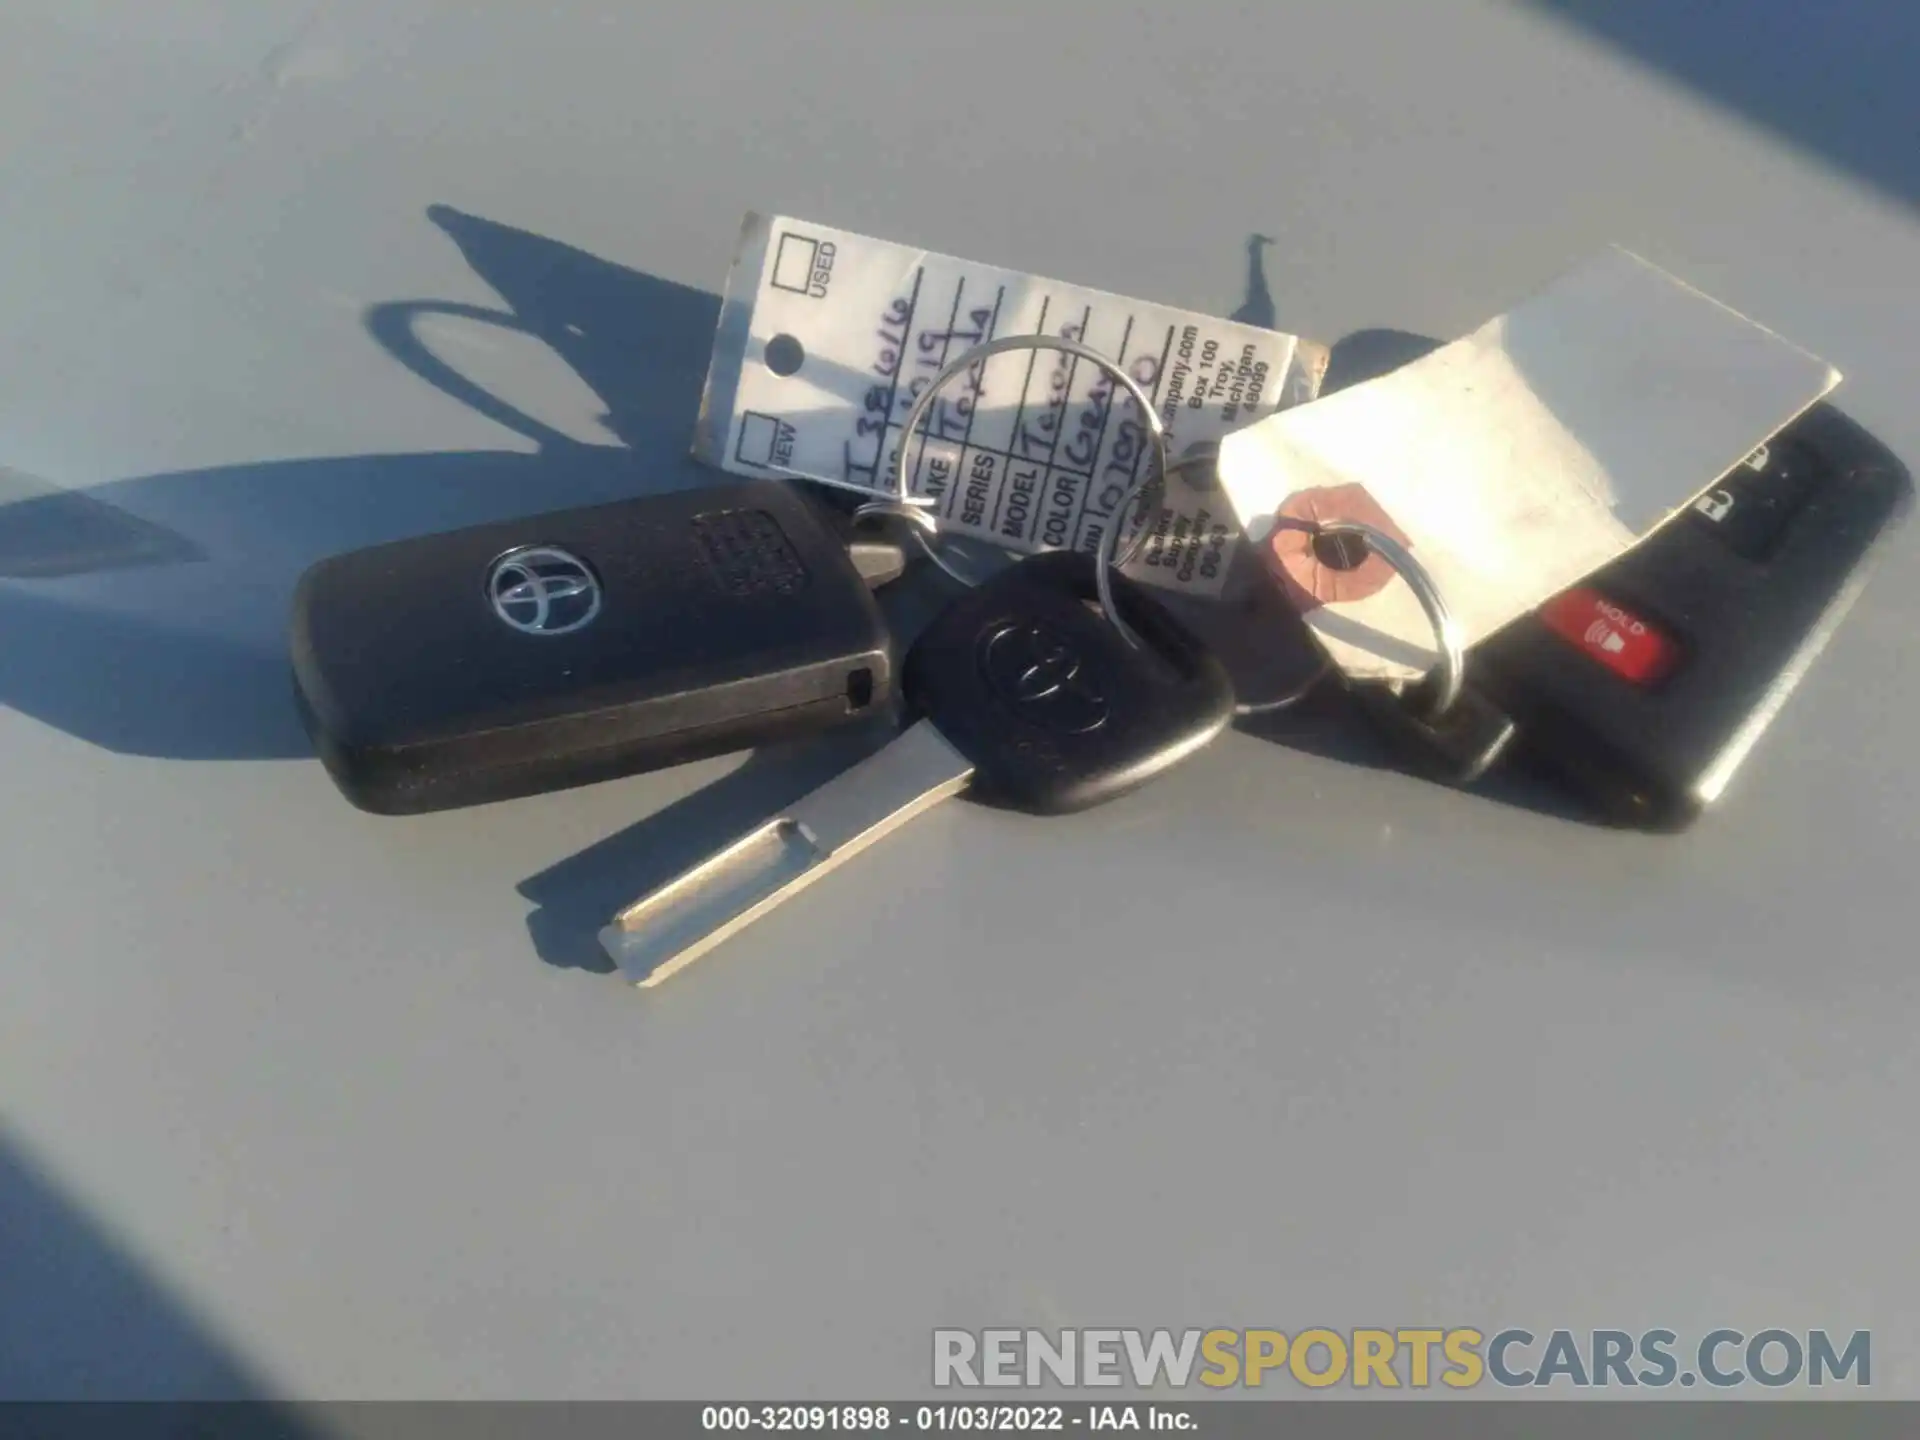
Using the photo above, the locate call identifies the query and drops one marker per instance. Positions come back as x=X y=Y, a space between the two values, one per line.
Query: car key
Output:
x=560 y=649
x=1031 y=699
x=1645 y=688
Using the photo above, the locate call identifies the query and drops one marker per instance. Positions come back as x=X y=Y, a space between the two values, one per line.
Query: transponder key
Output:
x=1032 y=700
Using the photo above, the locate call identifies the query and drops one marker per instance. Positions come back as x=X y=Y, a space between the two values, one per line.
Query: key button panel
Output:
x=1750 y=510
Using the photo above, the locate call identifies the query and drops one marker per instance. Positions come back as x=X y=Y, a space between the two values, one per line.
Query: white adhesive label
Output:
x=1516 y=461
x=827 y=339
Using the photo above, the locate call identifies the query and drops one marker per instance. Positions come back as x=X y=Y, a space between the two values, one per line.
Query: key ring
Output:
x=904 y=504
x=1108 y=559
x=1452 y=664
x=897 y=510
x=1451 y=669
x=1108 y=562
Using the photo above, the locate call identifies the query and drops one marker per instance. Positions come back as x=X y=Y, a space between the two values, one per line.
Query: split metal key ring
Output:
x=1450 y=673
x=904 y=504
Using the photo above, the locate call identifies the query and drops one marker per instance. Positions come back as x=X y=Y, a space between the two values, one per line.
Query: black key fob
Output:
x=1646 y=687
x=1056 y=711
x=562 y=649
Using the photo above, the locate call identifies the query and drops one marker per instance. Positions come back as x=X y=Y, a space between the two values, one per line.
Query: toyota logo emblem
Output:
x=1044 y=679
x=539 y=590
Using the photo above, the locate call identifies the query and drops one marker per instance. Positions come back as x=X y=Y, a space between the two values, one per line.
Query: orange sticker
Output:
x=1307 y=579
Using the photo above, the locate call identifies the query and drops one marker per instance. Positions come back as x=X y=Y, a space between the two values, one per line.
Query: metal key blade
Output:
x=669 y=929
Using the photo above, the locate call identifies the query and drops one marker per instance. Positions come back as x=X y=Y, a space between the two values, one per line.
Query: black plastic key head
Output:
x=1055 y=708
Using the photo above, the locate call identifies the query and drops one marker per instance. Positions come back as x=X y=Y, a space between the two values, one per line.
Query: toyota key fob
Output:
x=561 y=649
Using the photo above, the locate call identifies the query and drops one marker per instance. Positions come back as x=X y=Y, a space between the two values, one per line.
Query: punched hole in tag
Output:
x=785 y=355
x=1340 y=549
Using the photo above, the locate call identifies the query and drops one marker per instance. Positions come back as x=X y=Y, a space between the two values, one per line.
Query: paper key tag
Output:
x=827 y=338
x=1517 y=460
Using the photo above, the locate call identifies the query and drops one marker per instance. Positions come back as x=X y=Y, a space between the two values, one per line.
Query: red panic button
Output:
x=1615 y=636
